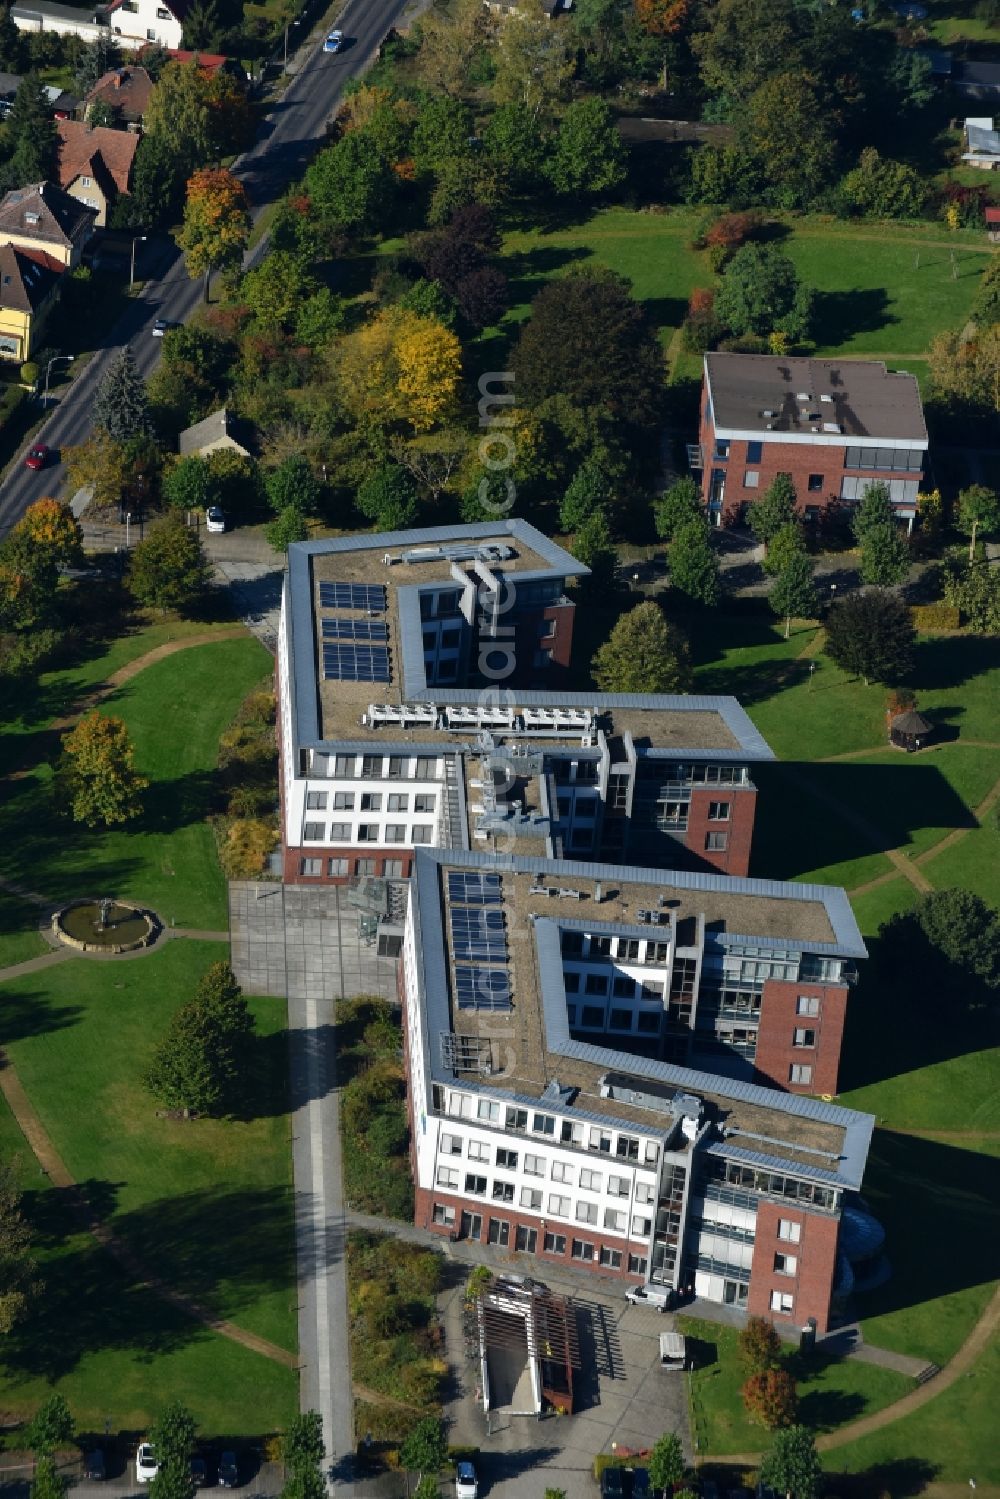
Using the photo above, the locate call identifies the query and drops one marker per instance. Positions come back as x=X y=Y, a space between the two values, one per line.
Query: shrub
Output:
x=759 y=1345
x=29 y=372
x=938 y=616
x=769 y=1398
x=245 y=846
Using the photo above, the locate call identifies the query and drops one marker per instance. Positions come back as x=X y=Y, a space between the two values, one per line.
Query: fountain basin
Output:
x=79 y=925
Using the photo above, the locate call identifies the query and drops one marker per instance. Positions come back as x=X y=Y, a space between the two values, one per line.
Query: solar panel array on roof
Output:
x=468 y=887
x=353 y=596
x=355 y=629
x=478 y=934
x=481 y=988
x=345 y=662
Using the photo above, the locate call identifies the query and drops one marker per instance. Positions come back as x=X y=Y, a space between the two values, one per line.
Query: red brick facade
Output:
x=777 y=1052
x=736 y=830
x=816 y=470
x=814 y=1256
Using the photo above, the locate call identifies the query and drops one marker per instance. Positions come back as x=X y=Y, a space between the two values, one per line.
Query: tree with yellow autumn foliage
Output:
x=216 y=224
x=661 y=17
x=399 y=368
x=53 y=529
x=96 y=774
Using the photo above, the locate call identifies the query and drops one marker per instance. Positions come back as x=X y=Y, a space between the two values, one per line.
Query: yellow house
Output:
x=30 y=282
x=42 y=217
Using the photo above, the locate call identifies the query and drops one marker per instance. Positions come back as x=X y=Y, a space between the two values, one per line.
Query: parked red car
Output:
x=38 y=456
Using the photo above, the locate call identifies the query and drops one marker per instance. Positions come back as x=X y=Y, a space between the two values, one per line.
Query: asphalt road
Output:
x=279 y=155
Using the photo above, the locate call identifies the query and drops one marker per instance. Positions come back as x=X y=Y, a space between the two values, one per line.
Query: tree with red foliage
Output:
x=661 y=17
x=769 y=1398
x=216 y=223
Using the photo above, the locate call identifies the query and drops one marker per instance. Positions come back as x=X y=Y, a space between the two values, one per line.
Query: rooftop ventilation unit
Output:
x=459 y=552
x=832 y=427
x=827 y=399
x=566 y=894
x=402 y=715
x=769 y=413
x=543 y=890
x=803 y=395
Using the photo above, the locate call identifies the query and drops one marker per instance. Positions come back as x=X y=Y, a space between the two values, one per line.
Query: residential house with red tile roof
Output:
x=95 y=164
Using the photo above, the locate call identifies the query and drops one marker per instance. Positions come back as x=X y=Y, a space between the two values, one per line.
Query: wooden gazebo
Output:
x=910 y=730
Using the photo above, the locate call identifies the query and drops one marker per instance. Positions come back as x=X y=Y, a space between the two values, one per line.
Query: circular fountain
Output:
x=104 y=926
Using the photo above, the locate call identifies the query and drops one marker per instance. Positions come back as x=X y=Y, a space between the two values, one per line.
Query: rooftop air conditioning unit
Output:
x=768 y=413
x=828 y=399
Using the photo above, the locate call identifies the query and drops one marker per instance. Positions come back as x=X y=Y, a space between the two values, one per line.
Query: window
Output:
x=649 y=1023
x=392 y=869
x=572 y=944
x=623 y=988
x=340 y=832
x=478 y=1150
x=364 y=866
x=397 y=767
x=561 y=1172
x=597 y=983
x=642 y=1227
x=451 y=1144
x=542 y=658
x=621 y=1020
x=751 y=478
x=755 y=452
x=310 y=866
x=797 y=1073
x=618 y=1186
x=534 y=1165
x=600 y=1139
x=343 y=765
x=644 y=1193
x=637 y=1264
x=591 y=1181
x=716 y=842
x=582 y=1250
x=488 y=1110
x=571 y=983
x=611 y=1259
x=719 y=811
x=150 y=34
x=424 y=803
x=498 y=1232
x=507 y=1158
x=816 y=482
x=571 y=1133
x=554 y=1244
x=337 y=866
x=399 y=802
x=721 y=448
x=782 y=1301
x=559 y=1205
x=807 y=1004
x=789 y=1231
x=476 y=1184
x=395 y=832
x=543 y=1124
x=517 y=1119
x=803 y=1037
x=371 y=765
x=446 y=1177
x=526 y=1239
x=627 y=1147
x=503 y=1191
x=420 y=833
x=586 y=1212
x=593 y=1015
x=313 y=832
x=343 y=801
x=785 y=1264
x=615 y=1221
x=371 y=801
x=316 y=801
x=367 y=832
x=443 y=1214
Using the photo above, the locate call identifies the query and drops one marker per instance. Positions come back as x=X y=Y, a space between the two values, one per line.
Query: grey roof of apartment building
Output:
x=824 y=398
x=533 y=1039
x=329 y=713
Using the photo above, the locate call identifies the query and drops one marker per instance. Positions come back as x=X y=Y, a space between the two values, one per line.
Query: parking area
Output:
x=624 y=1400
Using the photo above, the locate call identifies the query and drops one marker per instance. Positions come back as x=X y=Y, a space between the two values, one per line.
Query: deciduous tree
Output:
x=786 y=543
x=874 y=510
x=174 y=1432
x=589 y=490
x=449 y=40
x=168 y=569
x=97 y=776
x=978 y=511
x=425 y=1450
x=885 y=556
x=512 y=136
x=759 y=1345
x=216 y=224
x=121 y=406
x=694 y=567
x=589 y=154
x=288 y=526
x=769 y=1398
x=19 y=1281
x=644 y=653
x=745 y=42
x=50 y=1428
x=774 y=510
x=792 y=1466
x=883 y=188
x=52 y=528
x=399 y=368
x=351 y=185
x=533 y=65
x=388 y=499
x=679 y=504
x=761 y=293
x=666 y=1461
x=593 y=547
x=188 y=484
x=47 y=1482
x=974 y=588
x=292 y=483
x=871 y=635
x=794 y=591
x=791 y=131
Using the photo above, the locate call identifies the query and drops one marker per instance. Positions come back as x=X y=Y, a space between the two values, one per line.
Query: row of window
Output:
x=526 y=1240
x=891 y=460
x=774 y=1184
x=901 y=491
x=368 y=832
x=384 y=767
x=599 y=981
x=371 y=801
x=390 y=869
x=595 y=1017
x=574 y=944
x=556 y=1205
x=570 y=1132
x=537 y=1165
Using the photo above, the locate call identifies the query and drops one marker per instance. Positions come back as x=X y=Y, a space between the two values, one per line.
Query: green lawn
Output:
x=115 y=1351
x=19 y=935
x=951 y=1439
x=206 y=1203
x=832 y=1391
x=874 y=297
x=175 y=710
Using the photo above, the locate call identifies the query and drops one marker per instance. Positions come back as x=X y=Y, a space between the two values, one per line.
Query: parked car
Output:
x=94 y=1469
x=163 y=325
x=146 y=1466
x=466 y=1482
x=334 y=41
x=215 y=519
x=199 y=1472
x=660 y=1298
x=229 y=1474
x=38 y=456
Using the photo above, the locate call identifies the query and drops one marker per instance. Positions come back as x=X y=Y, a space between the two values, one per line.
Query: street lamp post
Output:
x=139 y=239
x=284 y=60
x=56 y=359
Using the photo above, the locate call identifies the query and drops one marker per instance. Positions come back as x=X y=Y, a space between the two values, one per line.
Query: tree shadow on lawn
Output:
x=32 y=1014
x=838 y=315
x=528 y=270
x=34 y=839
x=937 y=1204
x=901 y=1478
x=949 y=661
x=170 y=805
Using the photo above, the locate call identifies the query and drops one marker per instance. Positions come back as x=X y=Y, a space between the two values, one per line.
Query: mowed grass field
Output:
x=882 y=289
